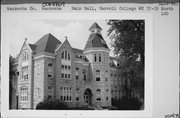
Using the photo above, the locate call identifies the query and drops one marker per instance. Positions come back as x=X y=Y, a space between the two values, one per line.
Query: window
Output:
x=77 y=94
x=98 y=93
x=65 y=71
x=77 y=68
x=97 y=78
x=77 y=77
x=69 y=76
x=62 y=75
x=25 y=56
x=50 y=92
x=66 y=94
x=50 y=70
x=84 y=75
x=94 y=57
x=24 y=94
x=106 y=79
x=25 y=73
x=99 y=57
x=98 y=99
x=62 y=55
x=50 y=64
x=106 y=98
x=77 y=89
x=104 y=58
x=66 y=55
x=97 y=75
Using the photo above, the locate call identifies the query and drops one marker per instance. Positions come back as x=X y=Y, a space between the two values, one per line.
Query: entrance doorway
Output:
x=88 y=97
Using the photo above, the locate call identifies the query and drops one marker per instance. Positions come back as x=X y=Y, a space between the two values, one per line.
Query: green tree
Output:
x=11 y=74
x=127 y=40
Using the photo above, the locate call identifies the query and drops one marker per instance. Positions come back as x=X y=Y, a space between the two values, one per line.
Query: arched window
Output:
x=66 y=55
x=62 y=55
x=24 y=94
x=25 y=56
x=97 y=71
x=99 y=57
x=98 y=91
x=95 y=58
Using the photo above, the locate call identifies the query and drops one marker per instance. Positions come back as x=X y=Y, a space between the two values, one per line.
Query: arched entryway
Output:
x=88 y=97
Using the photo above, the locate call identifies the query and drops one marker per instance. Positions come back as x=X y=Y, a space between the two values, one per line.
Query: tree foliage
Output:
x=11 y=74
x=127 y=40
x=52 y=104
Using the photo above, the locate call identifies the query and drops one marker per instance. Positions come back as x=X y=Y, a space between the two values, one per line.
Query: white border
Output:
x=147 y=112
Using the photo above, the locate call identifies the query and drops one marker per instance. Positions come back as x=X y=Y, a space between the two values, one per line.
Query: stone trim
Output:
x=47 y=56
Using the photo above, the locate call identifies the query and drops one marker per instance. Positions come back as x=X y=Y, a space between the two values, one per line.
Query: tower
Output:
x=97 y=53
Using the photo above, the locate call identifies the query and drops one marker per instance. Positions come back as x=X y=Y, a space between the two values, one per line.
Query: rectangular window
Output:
x=62 y=66
x=66 y=94
x=77 y=99
x=62 y=75
x=69 y=67
x=106 y=98
x=98 y=99
x=65 y=75
x=97 y=78
x=77 y=68
x=25 y=73
x=69 y=76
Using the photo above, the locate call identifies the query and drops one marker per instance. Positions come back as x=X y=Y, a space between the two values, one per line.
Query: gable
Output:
x=25 y=46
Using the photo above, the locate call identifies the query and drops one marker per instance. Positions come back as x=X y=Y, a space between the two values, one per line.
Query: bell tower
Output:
x=97 y=52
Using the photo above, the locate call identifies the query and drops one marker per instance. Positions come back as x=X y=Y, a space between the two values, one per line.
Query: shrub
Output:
x=51 y=104
x=127 y=103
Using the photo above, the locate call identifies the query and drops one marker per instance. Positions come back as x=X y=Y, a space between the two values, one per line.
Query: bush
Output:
x=52 y=104
x=127 y=103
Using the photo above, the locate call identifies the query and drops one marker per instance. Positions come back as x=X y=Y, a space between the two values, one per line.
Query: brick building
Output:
x=50 y=68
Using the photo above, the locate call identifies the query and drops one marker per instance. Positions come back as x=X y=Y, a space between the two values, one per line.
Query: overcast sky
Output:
x=77 y=31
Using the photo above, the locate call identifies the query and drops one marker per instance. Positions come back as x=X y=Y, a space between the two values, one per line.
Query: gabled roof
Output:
x=95 y=40
x=47 y=43
x=95 y=26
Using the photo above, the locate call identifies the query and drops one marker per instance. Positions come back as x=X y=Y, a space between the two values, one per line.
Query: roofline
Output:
x=96 y=50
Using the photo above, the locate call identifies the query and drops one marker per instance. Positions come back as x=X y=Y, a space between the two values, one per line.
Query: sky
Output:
x=77 y=32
